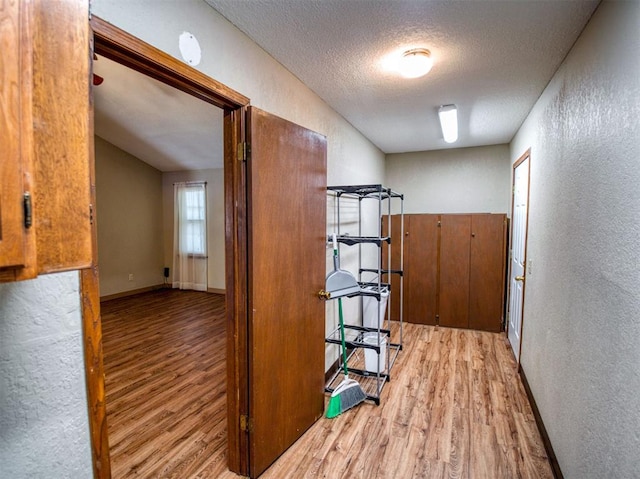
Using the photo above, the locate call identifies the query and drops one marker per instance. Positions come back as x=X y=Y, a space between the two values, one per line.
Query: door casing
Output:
x=132 y=52
x=524 y=157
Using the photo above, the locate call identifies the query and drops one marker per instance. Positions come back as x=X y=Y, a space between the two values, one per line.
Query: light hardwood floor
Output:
x=455 y=407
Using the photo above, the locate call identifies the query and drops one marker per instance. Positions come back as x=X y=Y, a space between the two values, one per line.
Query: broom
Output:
x=348 y=393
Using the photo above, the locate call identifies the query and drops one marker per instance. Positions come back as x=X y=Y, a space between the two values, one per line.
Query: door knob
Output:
x=322 y=294
x=519 y=278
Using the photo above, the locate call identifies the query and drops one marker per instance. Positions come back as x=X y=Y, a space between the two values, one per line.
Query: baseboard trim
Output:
x=553 y=460
x=155 y=287
x=131 y=292
x=331 y=371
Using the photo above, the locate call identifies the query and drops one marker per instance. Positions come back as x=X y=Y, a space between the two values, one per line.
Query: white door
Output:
x=518 y=252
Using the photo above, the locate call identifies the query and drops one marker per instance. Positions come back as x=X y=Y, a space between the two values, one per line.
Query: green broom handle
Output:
x=344 y=344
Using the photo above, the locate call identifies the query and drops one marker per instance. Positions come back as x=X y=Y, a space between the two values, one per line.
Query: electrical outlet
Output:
x=130 y=276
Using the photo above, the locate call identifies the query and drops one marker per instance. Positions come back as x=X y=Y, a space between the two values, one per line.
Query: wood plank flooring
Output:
x=165 y=372
x=455 y=407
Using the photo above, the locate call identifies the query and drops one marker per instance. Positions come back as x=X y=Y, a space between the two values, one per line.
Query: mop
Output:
x=348 y=393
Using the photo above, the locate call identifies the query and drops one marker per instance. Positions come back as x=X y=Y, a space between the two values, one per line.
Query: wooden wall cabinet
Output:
x=487 y=271
x=420 y=250
x=16 y=164
x=454 y=268
x=47 y=139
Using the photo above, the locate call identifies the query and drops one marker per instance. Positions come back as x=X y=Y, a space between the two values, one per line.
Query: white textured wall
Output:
x=129 y=212
x=581 y=336
x=44 y=429
x=462 y=180
x=215 y=220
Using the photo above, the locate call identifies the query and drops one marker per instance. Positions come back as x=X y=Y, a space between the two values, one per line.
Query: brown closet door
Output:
x=486 y=280
x=421 y=269
x=455 y=233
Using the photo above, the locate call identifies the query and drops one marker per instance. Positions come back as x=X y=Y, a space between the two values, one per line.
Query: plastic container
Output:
x=371 y=356
x=370 y=307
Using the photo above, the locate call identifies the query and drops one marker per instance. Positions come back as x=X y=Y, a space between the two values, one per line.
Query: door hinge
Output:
x=246 y=423
x=28 y=211
x=243 y=151
x=90 y=214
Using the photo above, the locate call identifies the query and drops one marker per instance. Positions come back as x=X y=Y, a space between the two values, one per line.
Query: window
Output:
x=191 y=222
x=190 y=236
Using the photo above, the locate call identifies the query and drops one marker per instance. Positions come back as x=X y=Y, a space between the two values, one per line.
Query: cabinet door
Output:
x=15 y=136
x=455 y=233
x=421 y=269
x=47 y=137
x=63 y=135
x=486 y=280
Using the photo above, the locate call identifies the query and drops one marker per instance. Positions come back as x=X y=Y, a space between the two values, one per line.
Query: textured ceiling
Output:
x=491 y=58
x=163 y=126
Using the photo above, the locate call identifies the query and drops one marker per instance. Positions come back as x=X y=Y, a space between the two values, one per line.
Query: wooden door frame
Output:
x=132 y=52
x=519 y=161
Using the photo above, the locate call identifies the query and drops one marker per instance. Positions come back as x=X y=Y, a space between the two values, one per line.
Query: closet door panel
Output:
x=455 y=232
x=486 y=280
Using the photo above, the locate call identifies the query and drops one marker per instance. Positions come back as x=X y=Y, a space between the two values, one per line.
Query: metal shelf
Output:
x=366 y=191
x=371 y=382
x=382 y=271
x=353 y=240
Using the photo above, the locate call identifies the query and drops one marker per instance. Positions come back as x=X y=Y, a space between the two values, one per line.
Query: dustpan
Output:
x=339 y=282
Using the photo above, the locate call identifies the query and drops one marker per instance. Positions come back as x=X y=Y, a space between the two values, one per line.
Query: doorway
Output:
x=163 y=349
x=517 y=275
x=113 y=43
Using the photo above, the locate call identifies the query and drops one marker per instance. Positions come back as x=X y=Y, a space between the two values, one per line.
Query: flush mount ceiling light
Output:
x=415 y=63
x=449 y=122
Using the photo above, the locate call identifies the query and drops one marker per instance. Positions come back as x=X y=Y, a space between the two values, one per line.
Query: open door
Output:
x=286 y=181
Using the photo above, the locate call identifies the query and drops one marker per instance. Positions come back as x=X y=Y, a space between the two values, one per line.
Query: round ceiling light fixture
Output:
x=415 y=63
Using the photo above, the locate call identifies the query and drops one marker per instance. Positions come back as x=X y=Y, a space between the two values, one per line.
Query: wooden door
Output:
x=455 y=233
x=519 y=212
x=287 y=182
x=421 y=244
x=486 y=272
